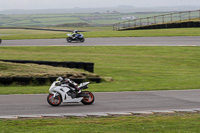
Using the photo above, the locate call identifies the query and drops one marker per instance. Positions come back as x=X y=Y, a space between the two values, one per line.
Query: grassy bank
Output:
x=182 y=123
x=34 y=70
x=133 y=68
x=95 y=32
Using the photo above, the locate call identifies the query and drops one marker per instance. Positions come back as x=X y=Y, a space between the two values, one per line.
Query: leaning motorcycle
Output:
x=77 y=38
x=62 y=93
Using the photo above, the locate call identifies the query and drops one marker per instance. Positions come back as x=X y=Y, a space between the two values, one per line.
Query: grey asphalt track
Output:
x=115 y=41
x=105 y=102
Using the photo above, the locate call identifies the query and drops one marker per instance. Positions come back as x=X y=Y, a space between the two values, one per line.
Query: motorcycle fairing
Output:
x=62 y=90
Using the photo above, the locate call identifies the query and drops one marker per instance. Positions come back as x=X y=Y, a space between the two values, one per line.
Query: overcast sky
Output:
x=56 y=4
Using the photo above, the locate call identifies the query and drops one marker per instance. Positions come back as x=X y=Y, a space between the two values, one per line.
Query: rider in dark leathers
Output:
x=75 y=33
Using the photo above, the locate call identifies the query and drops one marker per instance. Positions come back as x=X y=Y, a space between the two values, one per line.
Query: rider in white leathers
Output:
x=73 y=86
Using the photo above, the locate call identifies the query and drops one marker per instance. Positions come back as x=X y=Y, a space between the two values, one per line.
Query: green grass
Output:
x=95 y=32
x=178 y=123
x=146 y=33
x=23 y=89
x=43 y=20
x=133 y=68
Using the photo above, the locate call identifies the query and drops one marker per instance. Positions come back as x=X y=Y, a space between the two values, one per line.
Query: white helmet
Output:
x=75 y=31
x=59 y=79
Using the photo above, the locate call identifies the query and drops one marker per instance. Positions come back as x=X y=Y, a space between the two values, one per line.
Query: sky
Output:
x=56 y=4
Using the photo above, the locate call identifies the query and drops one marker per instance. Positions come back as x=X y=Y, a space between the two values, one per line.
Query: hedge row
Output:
x=88 y=66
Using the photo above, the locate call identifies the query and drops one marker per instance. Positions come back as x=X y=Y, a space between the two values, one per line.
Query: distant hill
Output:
x=122 y=9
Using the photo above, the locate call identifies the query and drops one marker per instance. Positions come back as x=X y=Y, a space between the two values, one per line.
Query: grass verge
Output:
x=182 y=123
x=133 y=68
x=95 y=32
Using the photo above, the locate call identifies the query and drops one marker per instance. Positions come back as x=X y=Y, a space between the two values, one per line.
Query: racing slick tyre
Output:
x=89 y=99
x=82 y=40
x=54 y=101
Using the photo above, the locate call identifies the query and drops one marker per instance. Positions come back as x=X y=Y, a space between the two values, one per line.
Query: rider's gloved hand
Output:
x=58 y=84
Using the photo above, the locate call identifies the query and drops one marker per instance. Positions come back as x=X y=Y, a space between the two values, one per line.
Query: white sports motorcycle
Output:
x=62 y=93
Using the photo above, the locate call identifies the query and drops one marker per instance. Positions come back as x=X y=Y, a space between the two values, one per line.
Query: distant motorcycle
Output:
x=78 y=38
x=0 y=41
x=63 y=93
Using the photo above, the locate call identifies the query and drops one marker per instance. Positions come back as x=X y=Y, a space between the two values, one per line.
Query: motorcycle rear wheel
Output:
x=88 y=100
x=54 y=101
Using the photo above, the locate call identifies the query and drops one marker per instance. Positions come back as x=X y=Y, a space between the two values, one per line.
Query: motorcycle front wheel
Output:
x=69 y=39
x=54 y=101
x=89 y=99
x=82 y=39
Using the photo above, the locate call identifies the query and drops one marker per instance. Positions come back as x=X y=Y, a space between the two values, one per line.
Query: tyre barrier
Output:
x=95 y=79
x=88 y=66
x=6 y=81
x=40 y=80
